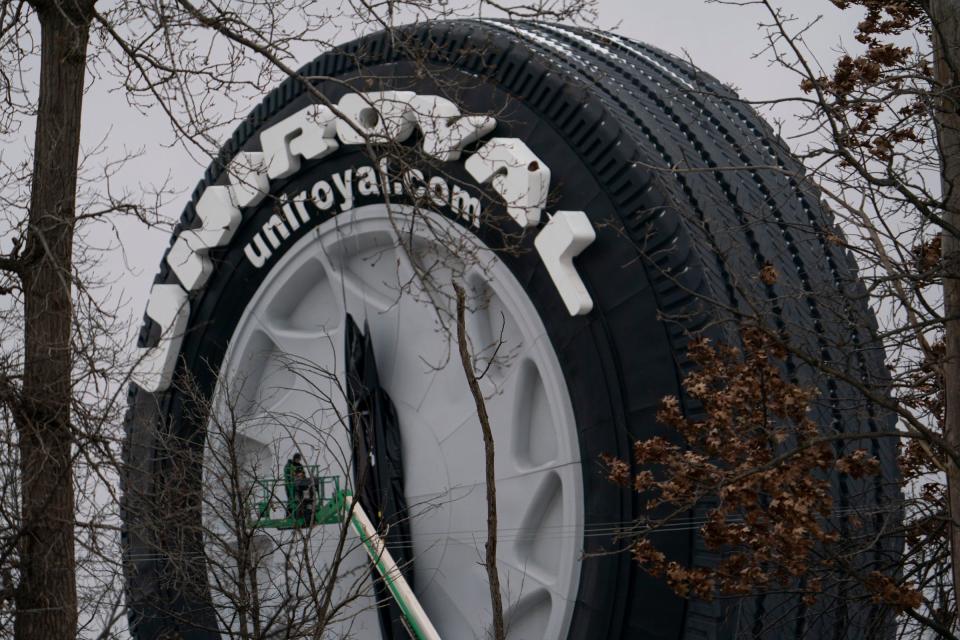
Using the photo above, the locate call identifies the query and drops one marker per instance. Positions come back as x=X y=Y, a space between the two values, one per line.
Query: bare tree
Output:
x=877 y=136
x=490 y=559
x=945 y=33
x=274 y=569
x=46 y=594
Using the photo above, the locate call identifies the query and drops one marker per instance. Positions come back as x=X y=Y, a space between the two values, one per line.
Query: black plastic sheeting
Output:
x=378 y=467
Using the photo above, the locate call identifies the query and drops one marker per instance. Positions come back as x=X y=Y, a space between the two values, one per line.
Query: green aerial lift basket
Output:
x=321 y=501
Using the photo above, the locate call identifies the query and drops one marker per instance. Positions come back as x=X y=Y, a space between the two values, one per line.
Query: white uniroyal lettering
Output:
x=257 y=251
x=169 y=308
x=465 y=206
x=347 y=186
x=384 y=166
x=290 y=215
x=439 y=191
x=321 y=195
x=344 y=184
x=375 y=117
x=298 y=204
x=445 y=131
x=248 y=178
x=507 y=164
x=272 y=227
x=414 y=183
x=367 y=182
x=308 y=133
x=219 y=219
x=516 y=174
x=562 y=239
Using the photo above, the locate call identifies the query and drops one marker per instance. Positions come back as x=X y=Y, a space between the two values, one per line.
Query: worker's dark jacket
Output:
x=290 y=471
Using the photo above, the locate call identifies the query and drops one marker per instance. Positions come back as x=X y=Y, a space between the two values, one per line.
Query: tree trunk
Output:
x=490 y=548
x=945 y=16
x=46 y=599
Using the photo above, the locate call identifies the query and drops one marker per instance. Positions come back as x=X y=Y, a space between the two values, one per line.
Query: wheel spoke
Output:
x=537 y=505
x=305 y=300
x=363 y=272
x=534 y=437
x=529 y=616
x=496 y=340
x=521 y=418
x=452 y=601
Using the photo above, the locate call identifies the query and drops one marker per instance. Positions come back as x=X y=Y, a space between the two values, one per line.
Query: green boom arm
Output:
x=331 y=507
x=416 y=617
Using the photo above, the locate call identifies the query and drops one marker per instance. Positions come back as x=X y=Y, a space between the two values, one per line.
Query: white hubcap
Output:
x=284 y=378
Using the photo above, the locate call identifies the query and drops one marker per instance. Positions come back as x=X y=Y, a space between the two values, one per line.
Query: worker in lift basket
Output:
x=293 y=474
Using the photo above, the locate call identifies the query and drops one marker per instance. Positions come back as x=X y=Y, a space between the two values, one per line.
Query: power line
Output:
x=612 y=529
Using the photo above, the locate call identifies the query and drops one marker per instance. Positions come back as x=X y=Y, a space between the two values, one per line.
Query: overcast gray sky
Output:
x=720 y=39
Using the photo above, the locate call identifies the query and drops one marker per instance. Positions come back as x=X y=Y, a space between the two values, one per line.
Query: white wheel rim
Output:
x=354 y=263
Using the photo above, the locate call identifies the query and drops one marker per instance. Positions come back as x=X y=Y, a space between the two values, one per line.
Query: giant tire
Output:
x=681 y=256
